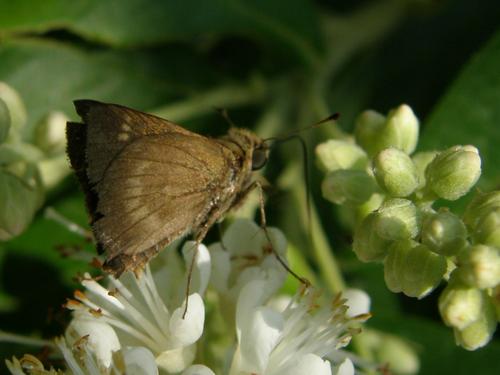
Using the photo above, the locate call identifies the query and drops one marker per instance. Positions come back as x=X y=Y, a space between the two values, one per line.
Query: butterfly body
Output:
x=148 y=181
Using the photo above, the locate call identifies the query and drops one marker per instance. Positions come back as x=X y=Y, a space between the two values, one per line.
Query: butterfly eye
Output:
x=259 y=158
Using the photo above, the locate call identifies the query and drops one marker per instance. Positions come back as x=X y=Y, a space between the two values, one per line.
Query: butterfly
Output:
x=148 y=181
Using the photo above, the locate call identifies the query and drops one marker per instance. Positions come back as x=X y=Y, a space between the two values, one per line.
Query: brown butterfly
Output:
x=149 y=181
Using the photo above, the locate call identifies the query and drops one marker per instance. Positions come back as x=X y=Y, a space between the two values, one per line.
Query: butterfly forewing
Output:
x=147 y=180
x=111 y=127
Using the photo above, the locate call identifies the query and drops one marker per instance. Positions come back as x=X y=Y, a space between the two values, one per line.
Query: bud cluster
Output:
x=391 y=190
x=30 y=161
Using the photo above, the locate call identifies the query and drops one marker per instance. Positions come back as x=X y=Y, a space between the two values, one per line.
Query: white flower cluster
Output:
x=135 y=325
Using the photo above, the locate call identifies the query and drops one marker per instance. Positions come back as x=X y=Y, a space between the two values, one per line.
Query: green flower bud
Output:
x=453 y=172
x=15 y=108
x=392 y=350
x=369 y=206
x=368 y=126
x=20 y=198
x=480 y=205
x=460 y=305
x=333 y=155
x=397 y=219
x=351 y=218
x=444 y=233
x=18 y=152
x=421 y=161
x=395 y=172
x=374 y=133
x=480 y=332
x=488 y=229
x=399 y=354
x=17 y=159
x=4 y=121
x=367 y=244
x=450 y=267
x=479 y=266
x=348 y=186
x=50 y=133
x=495 y=299
x=53 y=170
x=413 y=269
x=401 y=129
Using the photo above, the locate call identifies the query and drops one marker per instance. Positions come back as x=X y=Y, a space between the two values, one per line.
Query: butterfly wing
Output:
x=148 y=181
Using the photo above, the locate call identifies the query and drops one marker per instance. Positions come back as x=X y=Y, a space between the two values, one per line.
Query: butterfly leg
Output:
x=258 y=185
x=199 y=237
x=190 y=276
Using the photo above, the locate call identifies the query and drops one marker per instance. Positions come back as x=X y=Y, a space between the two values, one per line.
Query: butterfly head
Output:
x=254 y=147
x=260 y=156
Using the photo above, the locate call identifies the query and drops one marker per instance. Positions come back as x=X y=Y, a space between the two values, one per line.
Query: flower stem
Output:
x=321 y=250
x=23 y=340
x=222 y=96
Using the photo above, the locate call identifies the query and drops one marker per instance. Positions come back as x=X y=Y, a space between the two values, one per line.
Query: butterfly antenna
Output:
x=293 y=134
x=225 y=115
x=307 y=180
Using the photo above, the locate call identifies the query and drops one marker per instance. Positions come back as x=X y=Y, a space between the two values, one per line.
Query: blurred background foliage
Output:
x=276 y=66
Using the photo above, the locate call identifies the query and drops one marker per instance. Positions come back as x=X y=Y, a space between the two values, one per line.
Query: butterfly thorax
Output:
x=240 y=145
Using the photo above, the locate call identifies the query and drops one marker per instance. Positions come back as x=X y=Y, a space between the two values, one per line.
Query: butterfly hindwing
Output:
x=156 y=190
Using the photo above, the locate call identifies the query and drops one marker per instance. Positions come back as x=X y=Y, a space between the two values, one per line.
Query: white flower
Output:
x=101 y=339
x=28 y=365
x=293 y=341
x=198 y=370
x=144 y=315
x=244 y=254
x=358 y=302
x=139 y=361
x=81 y=358
x=345 y=367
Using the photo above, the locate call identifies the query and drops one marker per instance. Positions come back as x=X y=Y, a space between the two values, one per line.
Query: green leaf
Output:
x=140 y=22
x=4 y=121
x=49 y=76
x=19 y=199
x=41 y=241
x=436 y=347
x=470 y=113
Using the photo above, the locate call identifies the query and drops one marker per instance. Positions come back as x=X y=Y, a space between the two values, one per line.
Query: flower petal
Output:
x=14 y=366
x=259 y=336
x=272 y=277
x=221 y=267
x=252 y=295
x=201 y=272
x=187 y=330
x=198 y=370
x=306 y=365
x=358 y=302
x=102 y=339
x=345 y=368
x=278 y=240
x=239 y=238
x=176 y=360
x=139 y=361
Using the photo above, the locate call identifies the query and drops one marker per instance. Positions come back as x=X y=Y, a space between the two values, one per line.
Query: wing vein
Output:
x=201 y=161
x=117 y=211
x=159 y=162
